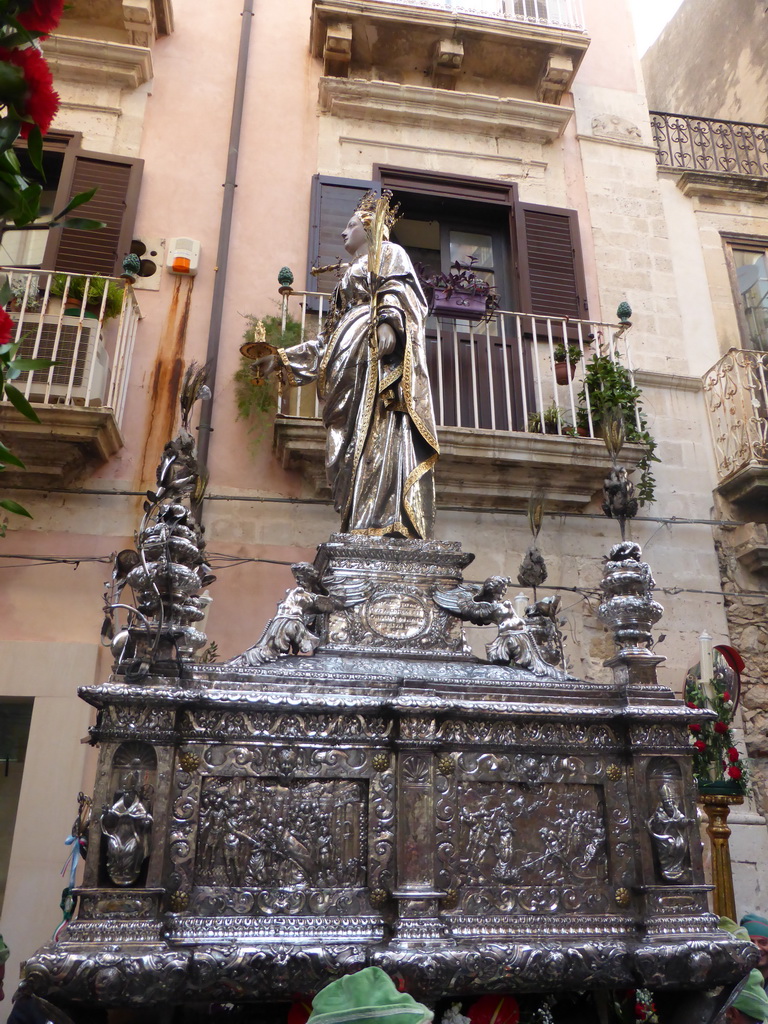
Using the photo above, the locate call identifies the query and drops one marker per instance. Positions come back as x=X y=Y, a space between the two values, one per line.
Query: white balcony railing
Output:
x=736 y=391
x=91 y=344
x=556 y=13
x=497 y=375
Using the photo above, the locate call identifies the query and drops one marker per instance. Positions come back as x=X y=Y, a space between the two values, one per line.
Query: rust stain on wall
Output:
x=165 y=381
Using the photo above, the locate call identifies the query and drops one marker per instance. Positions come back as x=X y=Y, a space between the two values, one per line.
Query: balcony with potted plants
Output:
x=87 y=326
x=500 y=64
x=494 y=383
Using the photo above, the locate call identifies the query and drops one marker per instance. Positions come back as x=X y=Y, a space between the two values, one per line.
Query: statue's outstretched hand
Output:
x=267 y=364
x=387 y=339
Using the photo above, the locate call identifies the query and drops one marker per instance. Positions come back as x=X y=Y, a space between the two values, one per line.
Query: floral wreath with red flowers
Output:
x=716 y=759
x=28 y=102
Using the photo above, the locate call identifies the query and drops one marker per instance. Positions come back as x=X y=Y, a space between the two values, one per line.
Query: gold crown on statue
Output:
x=366 y=208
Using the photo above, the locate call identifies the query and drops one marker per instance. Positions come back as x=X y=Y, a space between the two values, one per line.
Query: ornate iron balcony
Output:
x=559 y=13
x=687 y=143
x=736 y=391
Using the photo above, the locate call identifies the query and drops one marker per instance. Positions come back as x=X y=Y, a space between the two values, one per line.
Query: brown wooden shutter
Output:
x=333 y=203
x=549 y=257
x=101 y=251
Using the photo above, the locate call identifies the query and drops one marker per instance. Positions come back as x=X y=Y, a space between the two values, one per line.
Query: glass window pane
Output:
x=752 y=280
x=468 y=244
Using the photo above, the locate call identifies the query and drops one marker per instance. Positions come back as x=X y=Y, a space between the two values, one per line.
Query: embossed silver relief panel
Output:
x=534 y=732
x=266 y=833
x=514 y=833
x=215 y=723
x=253 y=835
x=123 y=721
x=539 y=834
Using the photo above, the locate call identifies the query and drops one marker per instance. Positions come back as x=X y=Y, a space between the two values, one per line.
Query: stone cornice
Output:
x=73 y=58
x=442 y=108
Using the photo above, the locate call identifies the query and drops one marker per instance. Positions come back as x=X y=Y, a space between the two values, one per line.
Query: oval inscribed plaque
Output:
x=397 y=616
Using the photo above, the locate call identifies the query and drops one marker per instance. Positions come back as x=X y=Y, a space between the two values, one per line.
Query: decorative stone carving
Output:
x=612 y=126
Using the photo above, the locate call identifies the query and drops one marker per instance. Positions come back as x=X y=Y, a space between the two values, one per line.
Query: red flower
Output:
x=734 y=772
x=733 y=754
x=721 y=727
x=639 y=1011
x=700 y=745
x=691 y=704
x=43 y=17
x=726 y=695
x=694 y=727
x=41 y=100
x=6 y=327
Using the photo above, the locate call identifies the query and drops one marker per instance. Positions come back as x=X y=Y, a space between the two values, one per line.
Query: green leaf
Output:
x=32 y=364
x=35 y=149
x=19 y=402
x=9 y=132
x=5 y=291
x=12 y=84
x=13 y=506
x=9 y=165
x=7 y=456
x=75 y=201
x=80 y=224
x=29 y=203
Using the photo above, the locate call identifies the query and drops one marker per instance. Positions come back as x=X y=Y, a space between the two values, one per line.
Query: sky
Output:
x=650 y=17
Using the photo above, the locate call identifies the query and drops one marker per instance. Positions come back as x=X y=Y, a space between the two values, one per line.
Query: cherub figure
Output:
x=290 y=630
x=482 y=604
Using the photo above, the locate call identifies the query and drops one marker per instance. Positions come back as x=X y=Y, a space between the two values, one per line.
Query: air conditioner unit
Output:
x=78 y=346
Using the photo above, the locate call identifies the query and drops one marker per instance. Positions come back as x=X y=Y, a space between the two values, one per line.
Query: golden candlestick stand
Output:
x=717 y=807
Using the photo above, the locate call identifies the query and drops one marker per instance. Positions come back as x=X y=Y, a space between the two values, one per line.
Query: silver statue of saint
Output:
x=127 y=824
x=371 y=372
x=668 y=827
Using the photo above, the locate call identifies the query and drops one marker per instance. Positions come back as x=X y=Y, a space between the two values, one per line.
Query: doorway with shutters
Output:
x=531 y=255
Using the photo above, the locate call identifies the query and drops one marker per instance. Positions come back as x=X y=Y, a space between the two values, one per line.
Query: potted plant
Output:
x=97 y=285
x=609 y=387
x=566 y=357
x=460 y=292
x=552 y=416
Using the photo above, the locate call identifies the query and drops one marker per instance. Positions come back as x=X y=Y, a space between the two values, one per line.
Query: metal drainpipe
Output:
x=225 y=232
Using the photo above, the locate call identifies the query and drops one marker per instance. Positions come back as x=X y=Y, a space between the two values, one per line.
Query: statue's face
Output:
x=354 y=235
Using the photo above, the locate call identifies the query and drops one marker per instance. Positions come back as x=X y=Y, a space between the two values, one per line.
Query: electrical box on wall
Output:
x=183 y=256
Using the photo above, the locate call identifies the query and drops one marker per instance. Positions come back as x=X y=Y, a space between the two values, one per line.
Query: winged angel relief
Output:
x=293 y=628
x=483 y=605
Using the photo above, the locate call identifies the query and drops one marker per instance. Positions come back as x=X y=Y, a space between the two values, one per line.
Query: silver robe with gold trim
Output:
x=382 y=441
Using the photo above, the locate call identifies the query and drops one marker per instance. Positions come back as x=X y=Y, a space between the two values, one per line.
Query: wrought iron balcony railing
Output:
x=736 y=390
x=91 y=343
x=499 y=375
x=556 y=13
x=704 y=144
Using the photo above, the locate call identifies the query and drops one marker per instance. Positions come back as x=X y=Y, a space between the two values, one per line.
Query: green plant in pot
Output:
x=255 y=397
x=566 y=357
x=550 y=419
x=609 y=387
x=97 y=286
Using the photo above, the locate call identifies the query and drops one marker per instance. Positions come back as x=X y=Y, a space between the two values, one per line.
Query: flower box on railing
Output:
x=453 y=303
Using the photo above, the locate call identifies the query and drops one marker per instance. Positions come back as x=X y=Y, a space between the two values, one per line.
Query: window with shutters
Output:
x=69 y=170
x=530 y=254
